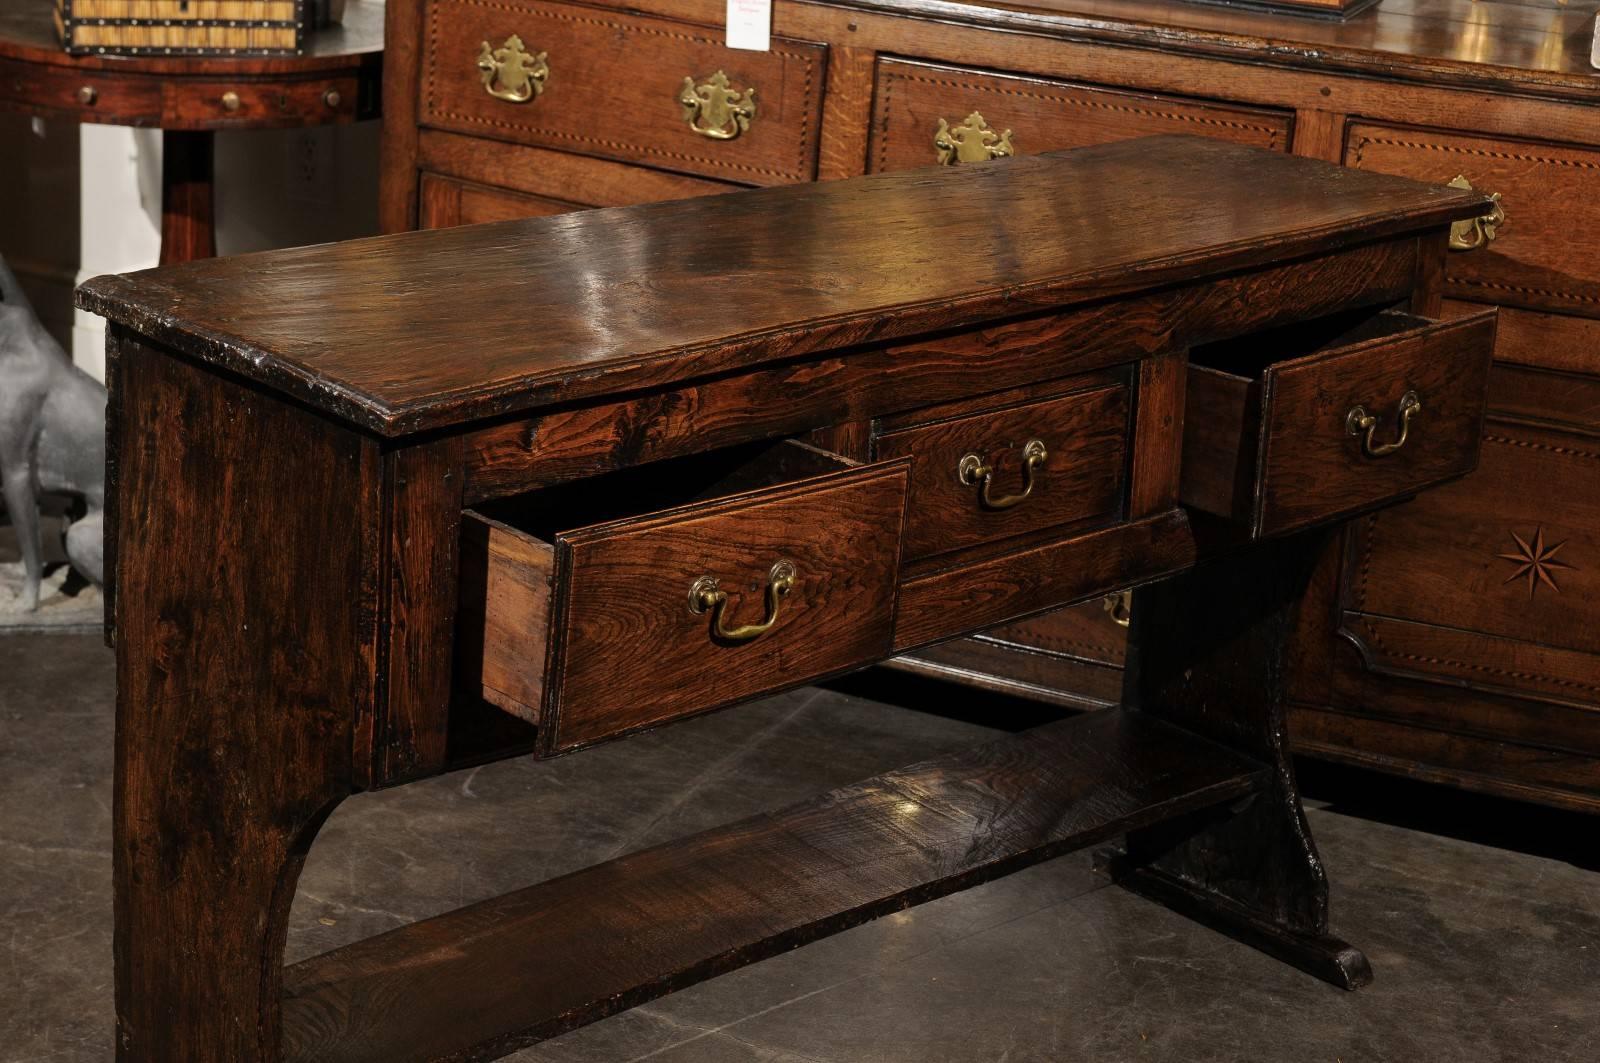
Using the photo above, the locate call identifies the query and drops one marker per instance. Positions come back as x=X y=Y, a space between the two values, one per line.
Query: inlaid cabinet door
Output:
x=1493 y=582
x=925 y=113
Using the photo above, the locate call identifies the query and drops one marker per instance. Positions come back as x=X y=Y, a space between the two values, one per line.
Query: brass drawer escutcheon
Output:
x=1358 y=422
x=511 y=72
x=975 y=472
x=1476 y=232
x=971 y=141
x=706 y=596
x=715 y=109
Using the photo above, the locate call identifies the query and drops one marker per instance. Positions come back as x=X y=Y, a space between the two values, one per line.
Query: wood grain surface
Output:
x=247 y=646
x=1043 y=114
x=499 y=975
x=597 y=101
x=1083 y=476
x=630 y=653
x=423 y=330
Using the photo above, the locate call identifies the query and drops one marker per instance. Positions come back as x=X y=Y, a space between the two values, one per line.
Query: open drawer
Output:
x=604 y=606
x=1292 y=426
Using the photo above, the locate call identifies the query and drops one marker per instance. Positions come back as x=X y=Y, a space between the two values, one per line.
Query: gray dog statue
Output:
x=52 y=439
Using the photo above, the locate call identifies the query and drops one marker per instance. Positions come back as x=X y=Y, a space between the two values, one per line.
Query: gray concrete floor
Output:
x=1480 y=919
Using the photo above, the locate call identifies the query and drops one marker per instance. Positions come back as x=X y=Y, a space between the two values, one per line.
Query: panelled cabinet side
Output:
x=247 y=624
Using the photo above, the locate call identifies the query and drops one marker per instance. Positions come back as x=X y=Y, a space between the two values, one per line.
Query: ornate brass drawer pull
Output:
x=1358 y=422
x=1476 y=232
x=975 y=472
x=706 y=596
x=511 y=73
x=715 y=109
x=971 y=141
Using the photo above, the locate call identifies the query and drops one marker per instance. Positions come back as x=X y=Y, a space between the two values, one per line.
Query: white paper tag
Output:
x=750 y=25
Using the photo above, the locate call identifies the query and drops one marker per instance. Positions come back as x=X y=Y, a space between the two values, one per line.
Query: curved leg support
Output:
x=1207 y=652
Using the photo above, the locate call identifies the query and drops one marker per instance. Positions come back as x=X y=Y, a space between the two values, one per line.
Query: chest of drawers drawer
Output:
x=622 y=86
x=1013 y=467
x=730 y=575
x=1278 y=436
x=1541 y=249
x=926 y=113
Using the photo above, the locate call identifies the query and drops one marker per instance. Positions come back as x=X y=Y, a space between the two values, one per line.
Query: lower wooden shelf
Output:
x=535 y=963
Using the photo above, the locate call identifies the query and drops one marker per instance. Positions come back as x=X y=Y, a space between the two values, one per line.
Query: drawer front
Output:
x=630 y=652
x=611 y=84
x=1025 y=115
x=1095 y=631
x=444 y=202
x=113 y=98
x=1013 y=470
x=1315 y=463
x=1546 y=251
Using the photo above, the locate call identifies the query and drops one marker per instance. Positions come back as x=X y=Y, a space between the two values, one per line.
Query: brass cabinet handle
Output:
x=1119 y=607
x=1476 y=232
x=706 y=596
x=975 y=472
x=1358 y=422
x=715 y=109
x=511 y=72
x=971 y=141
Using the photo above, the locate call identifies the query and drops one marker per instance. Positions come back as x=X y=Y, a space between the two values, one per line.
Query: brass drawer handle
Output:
x=1119 y=607
x=1358 y=422
x=975 y=472
x=715 y=109
x=511 y=72
x=971 y=141
x=706 y=596
x=1476 y=232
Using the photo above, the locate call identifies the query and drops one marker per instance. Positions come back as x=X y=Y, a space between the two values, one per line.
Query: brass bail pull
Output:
x=975 y=472
x=1358 y=422
x=706 y=596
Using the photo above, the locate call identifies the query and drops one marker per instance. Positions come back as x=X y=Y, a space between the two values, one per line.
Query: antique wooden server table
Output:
x=389 y=507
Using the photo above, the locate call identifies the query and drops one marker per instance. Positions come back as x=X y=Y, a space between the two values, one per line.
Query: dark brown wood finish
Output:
x=1207 y=653
x=467 y=351
x=1501 y=92
x=628 y=652
x=1269 y=440
x=499 y=974
x=247 y=646
x=628 y=471
x=1083 y=436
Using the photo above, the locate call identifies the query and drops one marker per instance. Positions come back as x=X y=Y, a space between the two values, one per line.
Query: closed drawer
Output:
x=1013 y=468
x=597 y=81
x=749 y=570
x=1545 y=253
x=926 y=113
x=1292 y=426
x=444 y=201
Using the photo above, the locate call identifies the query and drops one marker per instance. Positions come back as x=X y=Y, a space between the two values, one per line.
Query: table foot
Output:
x=1323 y=955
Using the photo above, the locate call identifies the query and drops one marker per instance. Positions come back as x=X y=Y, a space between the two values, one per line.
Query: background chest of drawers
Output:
x=1454 y=637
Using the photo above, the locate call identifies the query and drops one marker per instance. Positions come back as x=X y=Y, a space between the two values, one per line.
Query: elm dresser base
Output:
x=388 y=507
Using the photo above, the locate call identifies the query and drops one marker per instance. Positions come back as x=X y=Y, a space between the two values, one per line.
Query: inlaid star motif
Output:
x=1536 y=562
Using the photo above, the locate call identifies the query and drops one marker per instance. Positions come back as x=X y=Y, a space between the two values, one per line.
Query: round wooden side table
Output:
x=336 y=80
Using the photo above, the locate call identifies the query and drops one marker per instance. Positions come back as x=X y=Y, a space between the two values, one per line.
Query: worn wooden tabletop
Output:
x=424 y=330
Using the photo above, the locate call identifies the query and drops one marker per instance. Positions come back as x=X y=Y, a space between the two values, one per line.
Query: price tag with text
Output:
x=750 y=25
